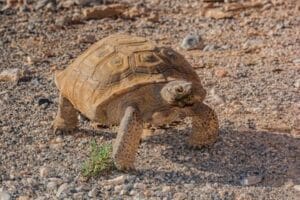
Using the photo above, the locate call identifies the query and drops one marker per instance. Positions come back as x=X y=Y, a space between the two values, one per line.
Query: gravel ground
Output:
x=250 y=67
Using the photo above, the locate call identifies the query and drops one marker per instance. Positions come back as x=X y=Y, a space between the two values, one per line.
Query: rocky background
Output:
x=247 y=54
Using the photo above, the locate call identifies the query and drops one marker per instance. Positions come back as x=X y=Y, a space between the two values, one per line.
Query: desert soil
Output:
x=249 y=66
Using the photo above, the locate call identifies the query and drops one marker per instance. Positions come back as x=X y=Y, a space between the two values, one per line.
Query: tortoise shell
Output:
x=117 y=65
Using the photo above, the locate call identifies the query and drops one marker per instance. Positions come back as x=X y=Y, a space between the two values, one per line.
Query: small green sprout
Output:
x=99 y=160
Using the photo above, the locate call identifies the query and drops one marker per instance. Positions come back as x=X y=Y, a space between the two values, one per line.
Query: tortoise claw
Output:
x=127 y=168
x=59 y=131
x=124 y=167
x=196 y=146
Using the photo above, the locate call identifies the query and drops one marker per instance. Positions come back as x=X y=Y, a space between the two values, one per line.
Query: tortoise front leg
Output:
x=205 y=126
x=128 y=139
x=66 y=119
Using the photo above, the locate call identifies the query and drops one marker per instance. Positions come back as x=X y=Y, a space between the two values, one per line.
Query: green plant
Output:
x=99 y=160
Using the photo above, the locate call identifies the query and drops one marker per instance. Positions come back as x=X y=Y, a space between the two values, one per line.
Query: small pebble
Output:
x=296 y=61
x=128 y=188
x=153 y=17
x=297 y=188
x=44 y=172
x=59 y=139
x=123 y=192
x=210 y=47
x=179 y=196
x=93 y=192
x=251 y=180
x=132 y=193
x=4 y=195
x=116 y=181
x=244 y=196
x=63 y=20
x=191 y=42
x=86 y=39
x=62 y=189
x=217 y=98
x=30 y=60
x=139 y=186
x=118 y=188
x=23 y=198
x=66 y=4
x=189 y=186
x=166 y=189
x=78 y=196
x=297 y=83
x=43 y=3
x=51 y=186
x=221 y=73
x=11 y=75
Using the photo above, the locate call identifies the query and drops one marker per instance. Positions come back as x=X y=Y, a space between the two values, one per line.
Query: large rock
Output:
x=103 y=11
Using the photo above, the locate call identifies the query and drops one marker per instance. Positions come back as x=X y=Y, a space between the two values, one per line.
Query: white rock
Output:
x=132 y=193
x=297 y=187
x=93 y=192
x=118 y=188
x=57 y=180
x=141 y=186
x=166 y=189
x=180 y=196
x=217 y=98
x=189 y=186
x=4 y=195
x=51 y=186
x=62 y=189
x=63 y=20
x=192 y=42
x=116 y=181
x=297 y=83
x=11 y=75
x=42 y=4
x=23 y=198
x=123 y=192
x=210 y=47
x=296 y=61
x=66 y=4
x=44 y=172
x=251 y=180
x=244 y=196
x=59 y=139
x=78 y=196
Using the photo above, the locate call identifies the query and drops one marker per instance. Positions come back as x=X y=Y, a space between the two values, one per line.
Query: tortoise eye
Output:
x=179 y=89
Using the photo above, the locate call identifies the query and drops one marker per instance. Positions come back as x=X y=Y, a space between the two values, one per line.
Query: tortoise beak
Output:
x=187 y=100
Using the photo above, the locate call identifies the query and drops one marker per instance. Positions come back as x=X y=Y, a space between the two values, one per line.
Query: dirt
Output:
x=250 y=67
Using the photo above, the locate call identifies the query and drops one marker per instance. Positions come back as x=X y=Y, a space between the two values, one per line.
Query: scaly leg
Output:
x=128 y=139
x=205 y=126
x=66 y=119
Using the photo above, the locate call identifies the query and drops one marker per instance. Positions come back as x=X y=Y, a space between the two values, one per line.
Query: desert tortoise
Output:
x=130 y=81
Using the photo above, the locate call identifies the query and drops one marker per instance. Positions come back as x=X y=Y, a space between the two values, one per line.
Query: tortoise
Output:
x=129 y=81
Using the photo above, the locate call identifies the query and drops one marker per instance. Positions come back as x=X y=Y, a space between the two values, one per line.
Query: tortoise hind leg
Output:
x=66 y=119
x=127 y=142
x=205 y=126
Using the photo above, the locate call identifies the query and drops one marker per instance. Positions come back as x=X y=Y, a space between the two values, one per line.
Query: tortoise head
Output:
x=178 y=93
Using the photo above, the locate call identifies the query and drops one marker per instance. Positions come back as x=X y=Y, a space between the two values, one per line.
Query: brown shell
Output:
x=119 y=64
